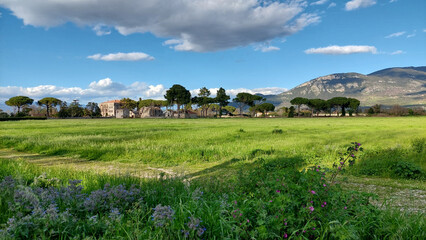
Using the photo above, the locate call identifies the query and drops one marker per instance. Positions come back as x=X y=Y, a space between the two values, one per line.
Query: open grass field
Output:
x=165 y=142
x=241 y=177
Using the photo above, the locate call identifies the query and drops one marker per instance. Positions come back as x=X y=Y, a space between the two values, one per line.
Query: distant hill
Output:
x=403 y=86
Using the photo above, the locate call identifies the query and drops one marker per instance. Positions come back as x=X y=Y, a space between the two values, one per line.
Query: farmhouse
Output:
x=113 y=109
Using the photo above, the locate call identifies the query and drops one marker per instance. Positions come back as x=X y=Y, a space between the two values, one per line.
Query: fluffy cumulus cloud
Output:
x=106 y=89
x=341 y=50
x=190 y=25
x=397 y=34
x=355 y=4
x=133 y=56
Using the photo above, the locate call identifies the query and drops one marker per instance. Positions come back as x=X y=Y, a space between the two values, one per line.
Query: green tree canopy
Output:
x=342 y=102
x=246 y=99
x=128 y=103
x=92 y=109
x=298 y=101
x=230 y=109
x=49 y=102
x=203 y=100
x=317 y=105
x=151 y=103
x=222 y=99
x=19 y=101
x=178 y=95
x=353 y=105
x=265 y=108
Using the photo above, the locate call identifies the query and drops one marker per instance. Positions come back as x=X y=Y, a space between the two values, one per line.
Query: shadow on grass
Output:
x=274 y=164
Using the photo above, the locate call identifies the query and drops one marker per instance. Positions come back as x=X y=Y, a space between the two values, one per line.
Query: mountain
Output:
x=402 y=85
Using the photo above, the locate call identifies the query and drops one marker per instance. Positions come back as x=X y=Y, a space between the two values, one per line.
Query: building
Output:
x=113 y=109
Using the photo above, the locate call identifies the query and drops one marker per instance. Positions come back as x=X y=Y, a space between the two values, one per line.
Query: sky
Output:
x=97 y=50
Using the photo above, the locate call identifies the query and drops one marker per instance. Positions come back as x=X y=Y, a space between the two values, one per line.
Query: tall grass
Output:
x=172 y=142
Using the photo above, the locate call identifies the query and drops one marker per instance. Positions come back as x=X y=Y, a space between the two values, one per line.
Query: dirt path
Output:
x=402 y=197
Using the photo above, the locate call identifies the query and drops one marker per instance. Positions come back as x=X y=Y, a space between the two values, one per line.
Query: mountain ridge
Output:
x=390 y=86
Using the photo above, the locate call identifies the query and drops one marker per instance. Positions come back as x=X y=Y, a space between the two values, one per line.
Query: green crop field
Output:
x=223 y=171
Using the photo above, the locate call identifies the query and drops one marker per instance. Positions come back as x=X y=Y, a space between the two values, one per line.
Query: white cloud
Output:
x=397 y=52
x=319 y=2
x=355 y=4
x=391 y=1
x=397 y=34
x=101 y=30
x=340 y=50
x=266 y=48
x=234 y=92
x=133 y=56
x=200 y=25
x=106 y=89
x=411 y=35
x=332 y=5
x=99 y=91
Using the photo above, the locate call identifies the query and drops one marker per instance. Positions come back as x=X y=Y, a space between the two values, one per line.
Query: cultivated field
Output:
x=221 y=171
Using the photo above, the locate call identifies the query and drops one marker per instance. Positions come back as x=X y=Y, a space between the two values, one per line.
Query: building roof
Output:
x=112 y=101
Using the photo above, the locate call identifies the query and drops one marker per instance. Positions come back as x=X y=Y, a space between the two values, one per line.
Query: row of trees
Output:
x=22 y=103
x=318 y=105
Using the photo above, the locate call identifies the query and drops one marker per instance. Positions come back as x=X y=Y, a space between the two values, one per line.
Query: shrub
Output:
x=277 y=131
x=407 y=170
x=418 y=144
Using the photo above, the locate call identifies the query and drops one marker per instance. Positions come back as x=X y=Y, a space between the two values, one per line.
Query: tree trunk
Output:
x=298 y=110
x=47 y=110
x=178 y=109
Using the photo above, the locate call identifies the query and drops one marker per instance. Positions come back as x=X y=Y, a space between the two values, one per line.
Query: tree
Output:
x=203 y=100
x=265 y=108
x=230 y=109
x=342 y=102
x=49 y=102
x=291 y=112
x=92 y=109
x=75 y=109
x=299 y=101
x=317 y=105
x=128 y=103
x=353 y=105
x=222 y=99
x=246 y=99
x=19 y=101
x=151 y=103
x=63 y=110
x=178 y=95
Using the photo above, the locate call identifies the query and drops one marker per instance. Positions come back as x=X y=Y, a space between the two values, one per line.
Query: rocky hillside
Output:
x=403 y=86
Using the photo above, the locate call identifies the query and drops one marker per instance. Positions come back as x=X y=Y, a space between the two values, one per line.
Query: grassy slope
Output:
x=165 y=142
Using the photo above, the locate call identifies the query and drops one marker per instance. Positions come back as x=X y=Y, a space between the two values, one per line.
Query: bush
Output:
x=407 y=170
x=418 y=144
x=277 y=131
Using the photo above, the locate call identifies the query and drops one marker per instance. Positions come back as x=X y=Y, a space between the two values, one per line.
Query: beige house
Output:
x=113 y=109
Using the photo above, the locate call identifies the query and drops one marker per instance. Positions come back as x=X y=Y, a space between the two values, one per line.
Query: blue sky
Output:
x=98 y=50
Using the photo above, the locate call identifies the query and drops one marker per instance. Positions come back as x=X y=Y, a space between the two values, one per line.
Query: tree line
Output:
x=50 y=104
x=317 y=105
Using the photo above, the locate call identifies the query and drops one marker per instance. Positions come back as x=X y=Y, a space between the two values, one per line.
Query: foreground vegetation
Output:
x=243 y=179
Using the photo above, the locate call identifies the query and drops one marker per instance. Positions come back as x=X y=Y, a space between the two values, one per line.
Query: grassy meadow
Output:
x=214 y=179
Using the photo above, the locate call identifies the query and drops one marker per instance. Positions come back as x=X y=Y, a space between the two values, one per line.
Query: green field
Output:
x=165 y=142
x=256 y=163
